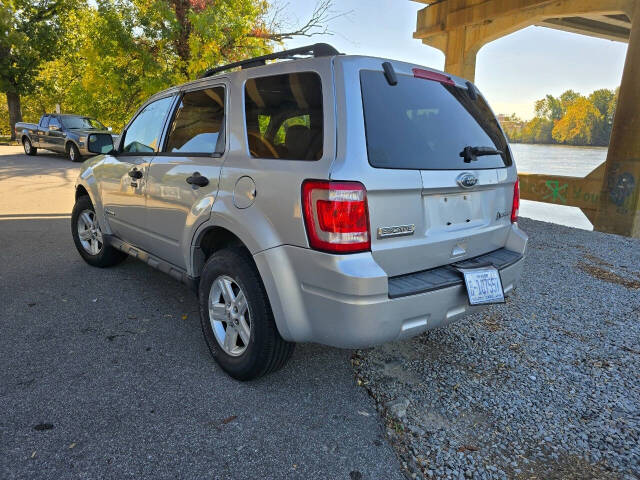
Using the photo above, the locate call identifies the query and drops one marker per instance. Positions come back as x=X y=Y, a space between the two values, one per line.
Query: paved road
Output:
x=114 y=361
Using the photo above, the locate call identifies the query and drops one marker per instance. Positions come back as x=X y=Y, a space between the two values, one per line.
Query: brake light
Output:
x=435 y=76
x=515 y=208
x=336 y=216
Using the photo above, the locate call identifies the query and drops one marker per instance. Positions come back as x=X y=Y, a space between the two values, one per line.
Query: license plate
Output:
x=483 y=285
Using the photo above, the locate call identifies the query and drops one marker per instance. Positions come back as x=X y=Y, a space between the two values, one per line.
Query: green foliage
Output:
x=549 y=107
x=29 y=34
x=570 y=119
x=113 y=54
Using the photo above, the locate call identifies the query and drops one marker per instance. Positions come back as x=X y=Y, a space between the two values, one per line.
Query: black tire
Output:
x=29 y=149
x=107 y=255
x=73 y=153
x=266 y=351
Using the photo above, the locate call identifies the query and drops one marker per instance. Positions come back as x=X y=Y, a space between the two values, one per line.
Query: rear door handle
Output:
x=135 y=173
x=197 y=179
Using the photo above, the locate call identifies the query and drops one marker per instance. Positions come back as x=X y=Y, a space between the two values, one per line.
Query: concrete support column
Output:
x=619 y=205
x=459 y=60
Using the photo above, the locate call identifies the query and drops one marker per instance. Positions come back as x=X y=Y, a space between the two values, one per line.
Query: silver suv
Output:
x=337 y=199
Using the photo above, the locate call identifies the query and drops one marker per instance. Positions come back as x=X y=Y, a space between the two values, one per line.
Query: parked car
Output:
x=344 y=200
x=59 y=133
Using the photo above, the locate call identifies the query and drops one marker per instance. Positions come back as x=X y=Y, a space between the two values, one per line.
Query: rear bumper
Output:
x=343 y=300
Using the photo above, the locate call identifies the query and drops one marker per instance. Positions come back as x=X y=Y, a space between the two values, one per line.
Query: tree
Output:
x=549 y=107
x=29 y=32
x=538 y=130
x=119 y=52
x=577 y=126
x=603 y=100
x=567 y=99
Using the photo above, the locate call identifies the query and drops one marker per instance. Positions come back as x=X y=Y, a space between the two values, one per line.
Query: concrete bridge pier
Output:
x=619 y=207
x=610 y=195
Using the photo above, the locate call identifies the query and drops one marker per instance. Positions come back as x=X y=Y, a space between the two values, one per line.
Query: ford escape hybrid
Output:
x=338 y=199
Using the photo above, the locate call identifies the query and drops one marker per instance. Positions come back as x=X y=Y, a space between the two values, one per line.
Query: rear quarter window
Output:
x=424 y=125
x=284 y=116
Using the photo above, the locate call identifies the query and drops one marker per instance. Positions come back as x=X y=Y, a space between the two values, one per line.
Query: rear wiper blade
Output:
x=470 y=154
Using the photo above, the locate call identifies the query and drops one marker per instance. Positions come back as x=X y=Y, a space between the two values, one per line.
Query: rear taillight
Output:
x=515 y=207
x=336 y=216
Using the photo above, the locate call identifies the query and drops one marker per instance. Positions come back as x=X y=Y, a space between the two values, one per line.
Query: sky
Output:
x=512 y=72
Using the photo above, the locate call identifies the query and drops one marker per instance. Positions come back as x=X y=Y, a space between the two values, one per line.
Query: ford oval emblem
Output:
x=466 y=180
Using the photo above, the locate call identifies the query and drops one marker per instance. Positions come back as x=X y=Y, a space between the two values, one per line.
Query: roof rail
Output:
x=317 y=50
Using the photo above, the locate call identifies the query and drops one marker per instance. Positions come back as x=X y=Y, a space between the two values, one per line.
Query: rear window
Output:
x=284 y=116
x=425 y=125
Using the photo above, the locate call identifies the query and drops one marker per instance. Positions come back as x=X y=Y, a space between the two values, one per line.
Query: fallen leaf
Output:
x=468 y=448
x=229 y=419
x=73 y=445
x=363 y=413
x=33 y=455
x=94 y=300
x=184 y=316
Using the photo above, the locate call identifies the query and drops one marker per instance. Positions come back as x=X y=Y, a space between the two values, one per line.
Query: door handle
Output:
x=197 y=179
x=135 y=173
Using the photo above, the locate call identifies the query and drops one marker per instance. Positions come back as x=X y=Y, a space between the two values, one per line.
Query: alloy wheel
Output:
x=229 y=315
x=89 y=232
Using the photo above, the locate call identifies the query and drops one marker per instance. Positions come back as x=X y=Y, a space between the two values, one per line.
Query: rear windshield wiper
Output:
x=470 y=154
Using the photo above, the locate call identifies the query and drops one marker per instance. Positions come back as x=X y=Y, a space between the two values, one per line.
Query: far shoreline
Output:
x=560 y=145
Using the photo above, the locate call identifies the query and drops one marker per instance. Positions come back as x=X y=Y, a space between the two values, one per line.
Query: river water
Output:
x=557 y=160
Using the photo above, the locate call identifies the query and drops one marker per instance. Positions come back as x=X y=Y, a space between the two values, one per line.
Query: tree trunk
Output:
x=181 y=8
x=15 y=113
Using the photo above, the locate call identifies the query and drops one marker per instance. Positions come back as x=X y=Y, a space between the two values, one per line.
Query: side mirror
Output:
x=100 y=143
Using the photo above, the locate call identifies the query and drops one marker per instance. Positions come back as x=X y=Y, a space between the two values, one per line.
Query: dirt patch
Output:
x=492 y=322
x=608 y=275
x=597 y=260
x=567 y=467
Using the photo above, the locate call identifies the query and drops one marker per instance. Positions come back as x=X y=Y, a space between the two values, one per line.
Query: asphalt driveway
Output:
x=105 y=373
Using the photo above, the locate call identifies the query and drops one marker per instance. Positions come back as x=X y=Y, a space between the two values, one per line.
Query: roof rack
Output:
x=317 y=50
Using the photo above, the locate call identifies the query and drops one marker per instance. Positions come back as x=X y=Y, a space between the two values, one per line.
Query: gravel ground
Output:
x=544 y=386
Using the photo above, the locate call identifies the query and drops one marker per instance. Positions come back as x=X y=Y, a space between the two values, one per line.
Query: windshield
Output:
x=425 y=125
x=82 y=122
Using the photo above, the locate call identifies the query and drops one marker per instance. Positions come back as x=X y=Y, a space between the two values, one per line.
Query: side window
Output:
x=143 y=135
x=44 y=123
x=198 y=123
x=53 y=122
x=284 y=116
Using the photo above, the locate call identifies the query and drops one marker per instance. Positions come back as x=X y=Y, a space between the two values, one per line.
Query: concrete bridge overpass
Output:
x=610 y=195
